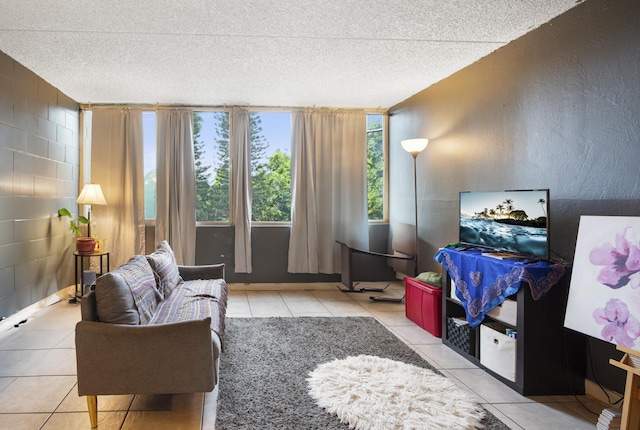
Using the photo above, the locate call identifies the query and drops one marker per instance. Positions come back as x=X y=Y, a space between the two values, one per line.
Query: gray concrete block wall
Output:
x=558 y=108
x=39 y=171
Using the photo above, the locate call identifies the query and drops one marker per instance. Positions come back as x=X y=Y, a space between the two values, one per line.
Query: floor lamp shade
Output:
x=414 y=146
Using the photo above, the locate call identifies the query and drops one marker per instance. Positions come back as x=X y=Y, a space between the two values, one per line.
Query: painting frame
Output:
x=604 y=293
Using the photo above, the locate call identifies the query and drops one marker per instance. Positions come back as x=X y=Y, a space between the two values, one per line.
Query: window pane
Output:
x=271 y=166
x=211 y=155
x=149 y=145
x=375 y=167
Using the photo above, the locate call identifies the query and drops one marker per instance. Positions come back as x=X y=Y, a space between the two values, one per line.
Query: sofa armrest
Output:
x=145 y=359
x=88 y=307
x=210 y=271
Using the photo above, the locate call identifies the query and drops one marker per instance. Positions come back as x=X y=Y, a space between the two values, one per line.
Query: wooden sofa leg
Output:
x=92 y=403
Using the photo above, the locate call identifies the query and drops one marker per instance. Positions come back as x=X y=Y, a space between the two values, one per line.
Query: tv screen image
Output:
x=506 y=221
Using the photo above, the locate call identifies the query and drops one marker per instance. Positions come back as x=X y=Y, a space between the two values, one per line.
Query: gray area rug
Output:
x=266 y=362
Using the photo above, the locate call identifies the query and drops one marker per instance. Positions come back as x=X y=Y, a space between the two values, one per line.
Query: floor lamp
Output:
x=413 y=147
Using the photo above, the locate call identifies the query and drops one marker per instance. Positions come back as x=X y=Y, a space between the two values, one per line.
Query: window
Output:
x=149 y=164
x=211 y=156
x=270 y=166
x=270 y=133
x=375 y=167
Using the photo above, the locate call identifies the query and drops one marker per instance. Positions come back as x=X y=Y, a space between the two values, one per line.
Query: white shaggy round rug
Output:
x=369 y=393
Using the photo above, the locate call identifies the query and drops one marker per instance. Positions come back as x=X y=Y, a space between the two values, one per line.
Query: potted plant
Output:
x=83 y=244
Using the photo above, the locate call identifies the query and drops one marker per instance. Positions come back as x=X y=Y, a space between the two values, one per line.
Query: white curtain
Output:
x=329 y=188
x=117 y=166
x=176 y=183
x=241 y=162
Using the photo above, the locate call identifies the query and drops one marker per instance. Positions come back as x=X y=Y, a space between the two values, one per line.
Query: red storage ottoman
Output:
x=423 y=305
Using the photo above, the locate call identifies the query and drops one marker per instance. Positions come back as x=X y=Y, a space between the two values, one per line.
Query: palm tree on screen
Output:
x=544 y=207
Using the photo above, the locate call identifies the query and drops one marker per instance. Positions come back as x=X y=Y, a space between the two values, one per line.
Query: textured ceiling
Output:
x=330 y=53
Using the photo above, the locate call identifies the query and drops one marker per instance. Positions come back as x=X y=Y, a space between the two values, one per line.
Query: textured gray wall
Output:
x=38 y=174
x=214 y=244
x=558 y=108
x=269 y=251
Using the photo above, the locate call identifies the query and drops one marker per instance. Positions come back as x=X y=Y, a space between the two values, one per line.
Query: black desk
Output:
x=346 y=265
x=81 y=257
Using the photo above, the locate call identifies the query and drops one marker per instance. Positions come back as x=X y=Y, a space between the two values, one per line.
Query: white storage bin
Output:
x=452 y=293
x=497 y=350
x=507 y=312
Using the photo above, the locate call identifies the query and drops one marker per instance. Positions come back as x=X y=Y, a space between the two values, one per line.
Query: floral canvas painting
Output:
x=604 y=295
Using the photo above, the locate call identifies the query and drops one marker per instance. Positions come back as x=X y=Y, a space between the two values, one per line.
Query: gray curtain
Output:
x=176 y=183
x=241 y=162
x=117 y=166
x=329 y=188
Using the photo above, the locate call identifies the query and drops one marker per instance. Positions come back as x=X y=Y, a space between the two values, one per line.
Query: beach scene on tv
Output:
x=506 y=221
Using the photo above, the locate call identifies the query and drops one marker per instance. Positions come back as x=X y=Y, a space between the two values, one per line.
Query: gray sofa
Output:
x=151 y=327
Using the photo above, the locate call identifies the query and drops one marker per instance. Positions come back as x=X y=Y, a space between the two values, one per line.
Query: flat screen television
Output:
x=515 y=222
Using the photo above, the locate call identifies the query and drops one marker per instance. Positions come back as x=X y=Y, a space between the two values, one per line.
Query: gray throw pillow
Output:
x=133 y=279
x=114 y=301
x=165 y=268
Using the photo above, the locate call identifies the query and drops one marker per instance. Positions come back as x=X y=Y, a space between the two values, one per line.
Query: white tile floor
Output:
x=37 y=369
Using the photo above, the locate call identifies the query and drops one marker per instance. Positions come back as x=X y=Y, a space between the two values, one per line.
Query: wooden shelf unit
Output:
x=549 y=359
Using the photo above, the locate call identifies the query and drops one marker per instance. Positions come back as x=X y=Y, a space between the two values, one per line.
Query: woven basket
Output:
x=461 y=337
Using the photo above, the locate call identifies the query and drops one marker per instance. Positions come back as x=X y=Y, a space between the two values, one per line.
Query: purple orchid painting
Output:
x=621 y=262
x=606 y=279
x=619 y=326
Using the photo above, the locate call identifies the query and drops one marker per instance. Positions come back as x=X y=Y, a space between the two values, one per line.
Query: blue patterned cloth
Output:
x=482 y=282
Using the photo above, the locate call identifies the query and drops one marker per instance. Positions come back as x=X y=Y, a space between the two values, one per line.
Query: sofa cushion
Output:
x=114 y=302
x=196 y=299
x=165 y=268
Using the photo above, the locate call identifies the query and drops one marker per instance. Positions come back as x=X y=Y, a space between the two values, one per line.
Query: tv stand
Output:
x=541 y=358
x=504 y=256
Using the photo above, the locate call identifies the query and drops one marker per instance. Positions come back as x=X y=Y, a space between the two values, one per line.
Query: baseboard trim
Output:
x=26 y=313
x=593 y=390
x=277 y=286
x=305 y=286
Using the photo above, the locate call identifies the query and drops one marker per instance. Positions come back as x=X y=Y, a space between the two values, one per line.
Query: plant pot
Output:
x=85 y=245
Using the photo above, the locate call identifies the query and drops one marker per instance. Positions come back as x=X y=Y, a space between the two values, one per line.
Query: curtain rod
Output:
x=90 y=106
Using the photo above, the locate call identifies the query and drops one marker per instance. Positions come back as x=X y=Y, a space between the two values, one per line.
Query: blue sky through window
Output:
x=276 y=128
x=149 y=141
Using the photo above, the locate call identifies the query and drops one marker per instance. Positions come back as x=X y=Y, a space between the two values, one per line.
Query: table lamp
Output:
x=91 y=194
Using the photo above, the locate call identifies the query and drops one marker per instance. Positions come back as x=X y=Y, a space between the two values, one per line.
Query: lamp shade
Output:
x=414 y=146
x=91 y=195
